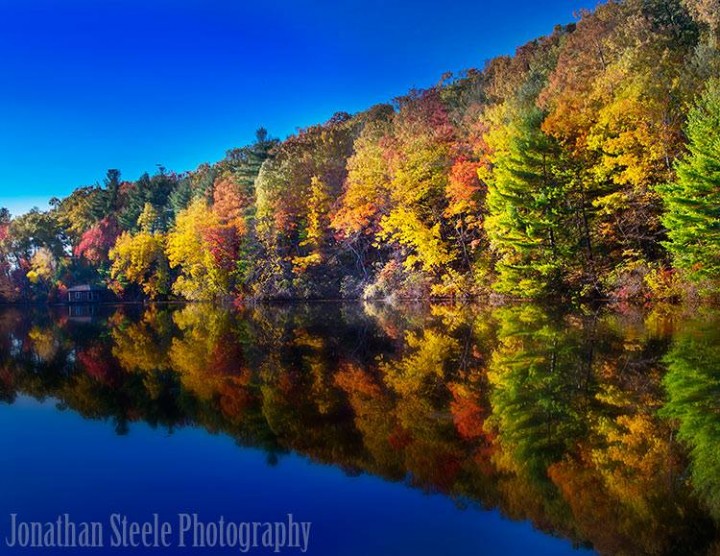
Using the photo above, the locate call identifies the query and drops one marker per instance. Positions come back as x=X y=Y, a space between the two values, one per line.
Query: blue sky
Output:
x=88 y=85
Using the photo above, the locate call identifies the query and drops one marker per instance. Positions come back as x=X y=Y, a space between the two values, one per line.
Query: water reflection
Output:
x=693 y=388
x=599 y=427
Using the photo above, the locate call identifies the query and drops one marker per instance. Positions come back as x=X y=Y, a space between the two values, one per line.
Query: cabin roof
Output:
x=84 y=288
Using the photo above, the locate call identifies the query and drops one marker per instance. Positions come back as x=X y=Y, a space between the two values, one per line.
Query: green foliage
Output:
x=536 y=399
x=692 y=202
x=155 y=190
x=527 y=190
x=181 y=196
x=693 y=387
x=32 y=231
x=107 y=199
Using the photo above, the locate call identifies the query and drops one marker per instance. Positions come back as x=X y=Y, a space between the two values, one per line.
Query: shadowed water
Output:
x=411 y=430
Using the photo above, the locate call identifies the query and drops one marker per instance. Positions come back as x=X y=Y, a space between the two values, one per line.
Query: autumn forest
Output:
x=585 y=166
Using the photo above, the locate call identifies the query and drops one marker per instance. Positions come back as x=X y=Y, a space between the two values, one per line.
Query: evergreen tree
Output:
x=692 y=202
x=527 y=214
x=107 y=199
x=155 y=190
x=134 y=203
x=181 y=196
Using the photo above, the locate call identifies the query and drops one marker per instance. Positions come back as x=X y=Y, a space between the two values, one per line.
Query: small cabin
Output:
x=85 y=294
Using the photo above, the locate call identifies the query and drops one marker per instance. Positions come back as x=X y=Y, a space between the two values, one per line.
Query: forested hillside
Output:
x=586 y=165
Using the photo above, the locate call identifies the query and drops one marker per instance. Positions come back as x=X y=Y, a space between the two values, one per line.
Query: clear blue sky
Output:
x=87 y=85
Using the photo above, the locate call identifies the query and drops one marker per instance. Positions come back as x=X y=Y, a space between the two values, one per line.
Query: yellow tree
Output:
x=317 y=226
x=190 y=251
x=140 y=259
x=42 y=266
x=421 y=163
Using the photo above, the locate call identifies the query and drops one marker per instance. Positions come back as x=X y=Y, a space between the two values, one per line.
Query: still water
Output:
x=411 y=430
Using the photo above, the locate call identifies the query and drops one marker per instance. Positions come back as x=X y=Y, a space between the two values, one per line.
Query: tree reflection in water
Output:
x=602 y=427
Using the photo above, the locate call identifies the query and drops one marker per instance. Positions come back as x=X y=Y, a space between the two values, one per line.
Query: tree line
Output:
x=587 y=165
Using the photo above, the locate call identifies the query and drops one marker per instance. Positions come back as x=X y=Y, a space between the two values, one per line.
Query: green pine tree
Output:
x=692 y=202
x=528 y=217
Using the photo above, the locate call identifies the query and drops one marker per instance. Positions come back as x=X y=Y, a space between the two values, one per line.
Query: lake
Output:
x=415 y=430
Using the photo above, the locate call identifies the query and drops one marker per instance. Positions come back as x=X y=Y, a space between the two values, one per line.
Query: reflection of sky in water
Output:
x=595 y=428
x=56 y=462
